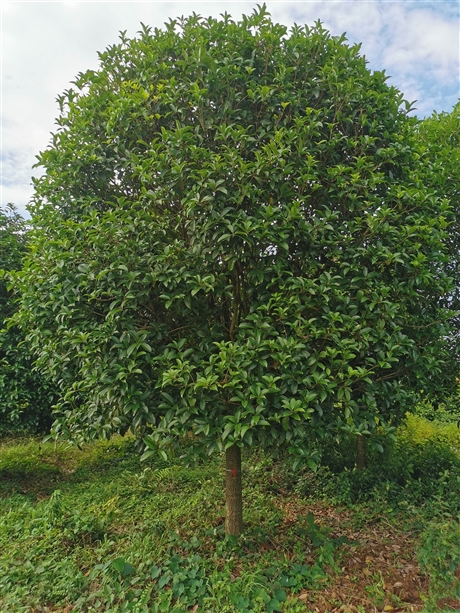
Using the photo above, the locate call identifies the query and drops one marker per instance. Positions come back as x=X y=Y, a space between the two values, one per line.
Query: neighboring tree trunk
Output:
x=361 y=452
x=233 y=491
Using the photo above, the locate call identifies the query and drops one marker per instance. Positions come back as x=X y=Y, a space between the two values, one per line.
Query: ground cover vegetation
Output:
x=95 y=530
x=233 y=242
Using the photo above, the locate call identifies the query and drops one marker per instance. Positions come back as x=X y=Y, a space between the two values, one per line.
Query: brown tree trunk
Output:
x=233 y=491
x=361 y=452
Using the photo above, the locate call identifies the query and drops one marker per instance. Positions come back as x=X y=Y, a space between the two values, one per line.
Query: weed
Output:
x=75 y=525
x=439 y=557
x=376 y=589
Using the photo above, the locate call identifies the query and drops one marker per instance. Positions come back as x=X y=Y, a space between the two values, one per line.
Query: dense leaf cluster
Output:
x=439 y=140
x=25 y=395
x=231 y=241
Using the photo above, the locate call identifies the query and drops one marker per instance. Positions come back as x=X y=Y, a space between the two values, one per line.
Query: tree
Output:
x=25 y=395
x=232 y=244
x=439 y=139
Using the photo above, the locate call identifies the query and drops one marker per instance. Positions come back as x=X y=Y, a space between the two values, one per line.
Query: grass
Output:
x=94 y=530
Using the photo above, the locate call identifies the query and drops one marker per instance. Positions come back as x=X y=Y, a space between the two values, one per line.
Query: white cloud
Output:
x=420 y=41
x=16 y=193
x=44 y=46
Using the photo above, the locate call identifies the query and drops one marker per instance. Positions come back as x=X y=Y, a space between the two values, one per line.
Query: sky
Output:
x=44 y=45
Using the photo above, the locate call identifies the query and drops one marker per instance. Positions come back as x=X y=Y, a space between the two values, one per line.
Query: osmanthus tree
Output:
x=439 y=140
x=232 y=244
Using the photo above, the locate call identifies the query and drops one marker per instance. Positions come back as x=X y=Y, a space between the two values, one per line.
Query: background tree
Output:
x=231 y=243
x=25 y=396
x=439 y=138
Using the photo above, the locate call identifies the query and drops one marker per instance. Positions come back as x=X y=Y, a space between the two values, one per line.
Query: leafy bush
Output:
x=447 y=412
x=422 y=464
x=419 y=432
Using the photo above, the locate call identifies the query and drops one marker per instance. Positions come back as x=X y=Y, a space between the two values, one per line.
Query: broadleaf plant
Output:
x=26 y=396
x=231 y=243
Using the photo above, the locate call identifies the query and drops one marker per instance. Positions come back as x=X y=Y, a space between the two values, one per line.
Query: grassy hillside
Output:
x=94 y=530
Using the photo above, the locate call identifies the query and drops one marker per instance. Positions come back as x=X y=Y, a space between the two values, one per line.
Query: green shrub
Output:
x=417 y=430
x=420 y=466
x=447 y=412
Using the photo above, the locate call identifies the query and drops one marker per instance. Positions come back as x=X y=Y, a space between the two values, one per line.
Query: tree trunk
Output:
x=361 y=452
x=233 y=491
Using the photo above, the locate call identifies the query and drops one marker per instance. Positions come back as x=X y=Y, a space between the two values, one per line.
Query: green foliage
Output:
x=99 y=544
x=176 y=585
x=420 y=468
x=420 y=432
x=439 y=557
x=46 y=566
x=26 y=397
x=44 y=538
x=96 y=543
x=180 y=582
x=447 y=412
x=231 y=242
x=72 y=525
x=13 y=247
x=439 y=138
x=439 y=141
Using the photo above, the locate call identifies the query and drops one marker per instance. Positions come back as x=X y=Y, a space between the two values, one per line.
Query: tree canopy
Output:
x=232 y=241
x=25 y=396
x=439 y=140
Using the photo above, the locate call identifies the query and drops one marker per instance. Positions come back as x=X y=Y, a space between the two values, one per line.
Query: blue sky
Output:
x=45 y=44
